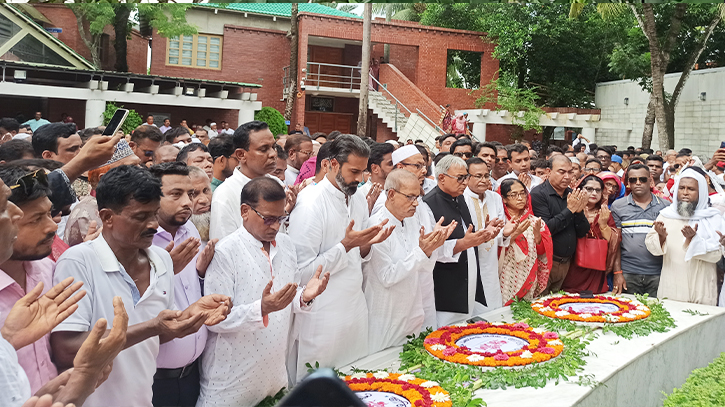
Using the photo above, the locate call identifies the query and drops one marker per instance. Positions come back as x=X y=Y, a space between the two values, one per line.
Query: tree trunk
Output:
x=294 y=52
x=120 y=28
x=362 y=116
x=90 y=40
x=388 y=17
x=649 y=125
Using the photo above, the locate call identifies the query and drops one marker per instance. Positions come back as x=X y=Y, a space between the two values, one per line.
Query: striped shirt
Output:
x=635 y=222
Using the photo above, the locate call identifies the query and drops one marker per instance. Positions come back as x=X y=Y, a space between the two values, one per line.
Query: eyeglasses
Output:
x=411 y=198
x=642 y=180
x=28 y=181
x=149 y=153
x=587 y=169
x=676 y=166
x=498 y=160
x=461 y=178
x=461 y=155
x=481 y=176
x=591 y=190
x=271 y=220
x=307 y=153
x=417 y=166
x=516 y=195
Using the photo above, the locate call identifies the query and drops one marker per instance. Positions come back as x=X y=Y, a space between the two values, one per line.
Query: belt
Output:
x=560 y=259
x=178 y=373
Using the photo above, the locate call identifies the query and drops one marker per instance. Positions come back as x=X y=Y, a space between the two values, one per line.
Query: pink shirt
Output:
x=34 y=358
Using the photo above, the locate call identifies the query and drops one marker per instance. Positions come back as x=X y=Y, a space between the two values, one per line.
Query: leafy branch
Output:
x=695 y=313
x=514 y=100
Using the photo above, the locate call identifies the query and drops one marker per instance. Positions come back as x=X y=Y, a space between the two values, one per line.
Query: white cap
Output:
x=393 y=142
x=575 y=160
x=404 y=152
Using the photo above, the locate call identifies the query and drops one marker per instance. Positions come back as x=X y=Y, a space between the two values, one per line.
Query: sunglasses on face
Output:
x=591 y=169
x=271 y=220
x=28 y=181
x=642 y=180
x=461 y=155
x=498 y=160
x=461 y=178
x=148 y=153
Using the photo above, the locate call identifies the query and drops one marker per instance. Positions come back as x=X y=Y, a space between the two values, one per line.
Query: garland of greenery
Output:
x=462 y=380
x=659 y=320
x=704 y=387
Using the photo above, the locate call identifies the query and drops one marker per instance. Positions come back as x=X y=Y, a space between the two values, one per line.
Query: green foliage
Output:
x=133 y=119
x=271 y=401
x=99 y=15
x=514 y=100
x=273 y=118
x=695 y=313
x=168 y=19
x=659 y=320
x=704 y=387
x=463 y=69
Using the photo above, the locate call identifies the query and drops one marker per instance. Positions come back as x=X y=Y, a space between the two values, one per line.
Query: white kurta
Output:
x=226 y=217
x=244 y=359
x=492 y=205
x=690 y=281
x=392 y=287
x=335 y=333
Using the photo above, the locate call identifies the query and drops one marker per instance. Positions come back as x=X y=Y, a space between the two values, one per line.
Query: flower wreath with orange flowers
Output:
x=542 y=345
x=419 y=392
x=600 y=308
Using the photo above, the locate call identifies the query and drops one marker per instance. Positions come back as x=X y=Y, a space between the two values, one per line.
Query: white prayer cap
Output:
x=393 y=142
x=575 y=160
x=22 y=136
x=404 y=152
x=212 y=124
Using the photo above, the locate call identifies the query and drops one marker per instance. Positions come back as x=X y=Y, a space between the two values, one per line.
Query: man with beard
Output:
x=176 y=382
x=327 y=230
x=687 y=236
x=201 y=203
x=29 y=263
x=254 y=149
x=380 y=165
x=222 y=154
x=122 y=261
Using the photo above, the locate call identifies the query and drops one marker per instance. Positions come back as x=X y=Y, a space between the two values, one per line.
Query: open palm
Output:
x=34 y=316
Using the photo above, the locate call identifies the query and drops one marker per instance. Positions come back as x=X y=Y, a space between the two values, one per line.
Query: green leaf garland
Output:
x=659 y=320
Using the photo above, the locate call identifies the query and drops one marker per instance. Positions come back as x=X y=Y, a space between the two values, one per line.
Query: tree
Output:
x=294 y=45
x=362 y=117
x=273 y=118
x=122 y=29
x=92 y=19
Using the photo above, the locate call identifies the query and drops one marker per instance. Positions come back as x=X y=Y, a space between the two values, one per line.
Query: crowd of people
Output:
x=226 y=262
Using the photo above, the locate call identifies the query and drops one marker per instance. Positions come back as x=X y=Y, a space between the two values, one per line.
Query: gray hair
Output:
x=400 y=177
x=197 y=172
x=447 y=162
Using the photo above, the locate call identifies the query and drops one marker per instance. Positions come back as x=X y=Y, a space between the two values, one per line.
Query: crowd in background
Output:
x=226 y=261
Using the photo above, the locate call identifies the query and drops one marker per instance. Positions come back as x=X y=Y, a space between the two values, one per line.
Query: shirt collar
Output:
x=325 y=183
x=392 y=220
x=630 y=200
x=181 y=232
x=5 y=280
x=472 y=194
x=244 y=233
x=552 y=191
x=109 y=262
x=293 y=169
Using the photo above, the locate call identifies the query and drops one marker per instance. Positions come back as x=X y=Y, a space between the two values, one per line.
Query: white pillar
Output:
x=246 y=114
x=94 y=112
x=588 y=133
x=479 y=132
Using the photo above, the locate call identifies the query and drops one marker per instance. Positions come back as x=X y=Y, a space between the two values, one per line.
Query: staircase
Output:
x=413 y=126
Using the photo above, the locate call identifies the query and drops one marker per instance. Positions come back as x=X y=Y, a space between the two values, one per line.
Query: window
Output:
x=197 y=51
x=463 y=69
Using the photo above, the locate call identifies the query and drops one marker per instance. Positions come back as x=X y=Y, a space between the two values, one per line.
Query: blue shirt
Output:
x=34 y=124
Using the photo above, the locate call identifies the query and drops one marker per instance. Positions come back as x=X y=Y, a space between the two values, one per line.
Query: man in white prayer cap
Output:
x=687 y=234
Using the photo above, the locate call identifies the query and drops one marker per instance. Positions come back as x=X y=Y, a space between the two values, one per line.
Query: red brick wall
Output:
x=62 y=17
x=74 y=108
x=248 y=55
x=383 y=132
x=406 y=92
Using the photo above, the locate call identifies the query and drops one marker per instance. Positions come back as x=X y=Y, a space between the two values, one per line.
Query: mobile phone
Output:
x=321 y=388
x=722 y=144
x=475 y=319
x=119 y=116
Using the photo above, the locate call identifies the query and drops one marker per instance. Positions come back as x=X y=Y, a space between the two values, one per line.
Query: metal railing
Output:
x=438 y=129
x=398 y=103
x=332 y=76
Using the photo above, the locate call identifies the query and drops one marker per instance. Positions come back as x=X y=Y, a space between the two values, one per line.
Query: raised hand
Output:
x=97 y=352
x=34 y=316
x=170 y=325
x=291 y=197
x=537 y=230
x=215 y=308
x=205 y=257
x=520 y=228
x=364 y=237
x=604 y=213
x=428 y=243
x=659 y=227
x=93 y=231
x=689 y=232
x=574 y=201
x=373 y=195
x=273 y=302
x=523 y=177
x=722 y=238
x=315 y=286
x=182 y=254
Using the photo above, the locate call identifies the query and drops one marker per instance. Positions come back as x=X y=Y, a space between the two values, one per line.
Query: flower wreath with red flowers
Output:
x=419 y=392
x=534 y=345
x=601 y=308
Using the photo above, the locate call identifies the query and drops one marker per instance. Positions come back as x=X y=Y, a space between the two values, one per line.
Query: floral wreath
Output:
x=629 y=310
x=543 y=345
x=420 y=392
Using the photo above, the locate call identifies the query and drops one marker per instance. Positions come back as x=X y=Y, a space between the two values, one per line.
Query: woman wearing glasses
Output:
x=602 y=226
x=525 y=264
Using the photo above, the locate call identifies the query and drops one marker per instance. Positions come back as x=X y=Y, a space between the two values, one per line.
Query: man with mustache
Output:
x=327 y=228
x=687 y=235
x=201 y=203
x=29 y=263
x=254 y=149
x=123 y=262
x=176 y=382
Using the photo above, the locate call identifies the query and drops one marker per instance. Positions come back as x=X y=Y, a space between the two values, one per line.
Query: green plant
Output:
x=133 y=119
x=273 y=118
x=514 y=100
x=704 y=387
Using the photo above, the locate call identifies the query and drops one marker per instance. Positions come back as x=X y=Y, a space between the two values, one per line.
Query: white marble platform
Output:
x=630 y=372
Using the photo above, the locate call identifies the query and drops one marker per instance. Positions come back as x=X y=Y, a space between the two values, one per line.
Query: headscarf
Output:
x=605 y=175
x=581 y=184
x=708 y=219
x=459 y=125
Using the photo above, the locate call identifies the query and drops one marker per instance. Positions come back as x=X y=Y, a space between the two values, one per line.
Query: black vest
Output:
x=451 y=279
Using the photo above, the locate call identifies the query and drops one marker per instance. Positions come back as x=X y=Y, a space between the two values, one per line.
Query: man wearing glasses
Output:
x=145 y=140
x=501 y=166
x=256 y=266
x=462 y=148
x=458 y=288
x=299 y=149
x=592 y=167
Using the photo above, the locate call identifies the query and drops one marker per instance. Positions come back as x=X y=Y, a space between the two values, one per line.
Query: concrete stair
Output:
x=412 y=127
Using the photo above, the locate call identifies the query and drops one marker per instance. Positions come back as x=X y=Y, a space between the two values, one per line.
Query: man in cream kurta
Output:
x=688 y=242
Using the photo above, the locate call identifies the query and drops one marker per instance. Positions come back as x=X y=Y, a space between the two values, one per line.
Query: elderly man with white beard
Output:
x=392 y=292
x=687 y=235
x=201 y=203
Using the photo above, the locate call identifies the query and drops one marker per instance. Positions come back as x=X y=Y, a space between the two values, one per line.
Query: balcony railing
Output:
x=319 y=75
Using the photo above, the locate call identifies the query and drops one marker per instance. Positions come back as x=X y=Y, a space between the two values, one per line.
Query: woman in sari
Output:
x=613 y=187
x=446 y=122
x=524 y=265
x=602 y=226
